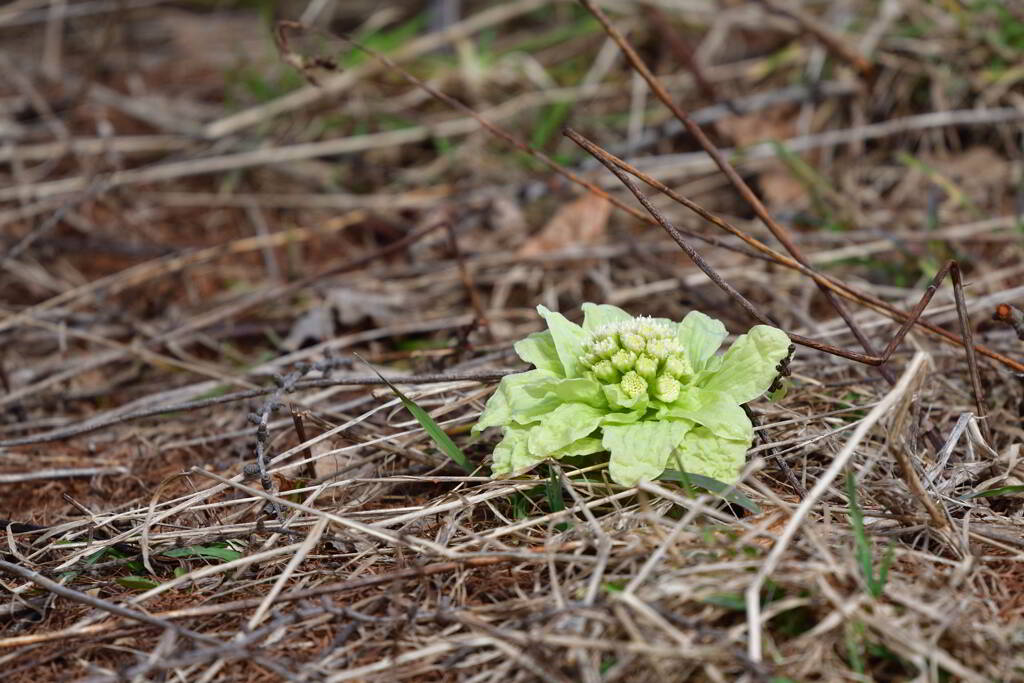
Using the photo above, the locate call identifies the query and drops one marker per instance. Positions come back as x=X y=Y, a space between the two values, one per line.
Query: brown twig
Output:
x=840 y=288
x=862 y=65
x=1009 y=315
x=317 y=383
x=100 y=604
x=737 y=182
x=307 y=453
x=522 y=146
x=467 y=282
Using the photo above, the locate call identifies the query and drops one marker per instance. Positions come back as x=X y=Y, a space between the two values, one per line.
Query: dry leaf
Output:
x=976 y=168
x=345 y=465
x=782 y=191
x=775 y=124
x=581 y=223
x=779 y=189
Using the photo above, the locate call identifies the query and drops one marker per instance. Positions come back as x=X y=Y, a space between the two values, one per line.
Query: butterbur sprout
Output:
x=649 y=391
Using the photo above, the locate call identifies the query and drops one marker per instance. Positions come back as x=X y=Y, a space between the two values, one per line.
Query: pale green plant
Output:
x=649 y=391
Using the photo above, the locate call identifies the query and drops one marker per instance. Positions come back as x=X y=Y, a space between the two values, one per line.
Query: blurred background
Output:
x=131 y=128
x=196 y=198
x=169 y=179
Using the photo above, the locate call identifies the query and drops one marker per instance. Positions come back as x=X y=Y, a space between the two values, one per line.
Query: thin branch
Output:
x=359 y=380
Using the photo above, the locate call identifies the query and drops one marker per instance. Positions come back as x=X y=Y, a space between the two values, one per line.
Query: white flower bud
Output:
x=624 y=360
x=659 y=348
x=633 y=341
x=666 y=389
x=678 y=366
x=646 y=367
x=605 y=347
x=633 y=384
x=606 y=372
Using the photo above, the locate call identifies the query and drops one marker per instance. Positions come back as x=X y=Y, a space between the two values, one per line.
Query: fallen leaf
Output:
x=774 y=124
x=778 y=187
x=782 y=191
x=580 y=223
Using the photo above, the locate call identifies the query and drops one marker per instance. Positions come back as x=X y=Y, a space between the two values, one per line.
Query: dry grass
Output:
x=197 y=243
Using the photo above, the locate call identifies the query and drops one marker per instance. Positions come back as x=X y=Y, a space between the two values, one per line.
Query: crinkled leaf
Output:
x=712 y=485
x=714 y=410
x=585 y=446
x=512 y=400
x=576 y=390
x=596 y=315
x=640 y=451
x=749 y=366
x=564 y=425
x=539 y=349
x=568 y=338
x=702 y=452
x=700 y=335
x=511 y=456
x=623 y=418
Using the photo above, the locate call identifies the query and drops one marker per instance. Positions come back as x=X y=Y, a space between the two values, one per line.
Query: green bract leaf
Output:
x=596 y=315
x=584 y=446
x=640 y=451
x=579 y=389
x=564 y=425
x=511 y=456
x=714 y=410
x=619 y=400
x=749 y=366
x=539 y=350
x=702 y=452
x=700 y=336
x=623 y=418
x=512 y=401
x=568 y=338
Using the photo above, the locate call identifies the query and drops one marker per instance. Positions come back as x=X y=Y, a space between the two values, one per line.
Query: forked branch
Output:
x=762 y=251
x=951 y=268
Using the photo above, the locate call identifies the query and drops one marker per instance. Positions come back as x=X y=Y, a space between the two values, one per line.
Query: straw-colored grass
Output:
x=200 y=481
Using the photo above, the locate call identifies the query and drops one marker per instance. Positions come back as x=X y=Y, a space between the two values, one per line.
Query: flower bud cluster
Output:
x=640 y=355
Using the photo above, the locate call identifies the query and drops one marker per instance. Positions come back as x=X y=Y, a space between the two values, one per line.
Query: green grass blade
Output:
x=856 y=517
x=989 y=493
x=438 y=435
x=554 y=491
x=688 y=479
x=883 y=570
x=139 y=583
x=226 y=554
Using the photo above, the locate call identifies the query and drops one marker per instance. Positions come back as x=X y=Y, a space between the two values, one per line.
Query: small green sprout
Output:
x=649 y=391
